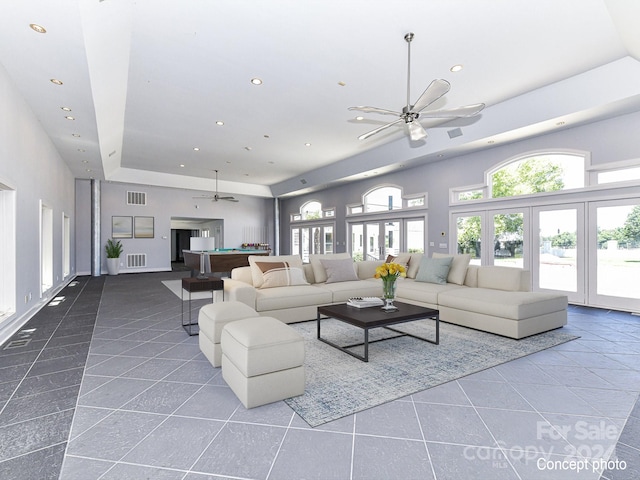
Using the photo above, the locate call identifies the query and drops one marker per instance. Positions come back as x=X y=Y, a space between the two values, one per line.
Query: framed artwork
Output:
x=143 y=227
x=121 y=227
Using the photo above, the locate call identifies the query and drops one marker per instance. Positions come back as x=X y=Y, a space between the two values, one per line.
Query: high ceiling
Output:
x=146 y=82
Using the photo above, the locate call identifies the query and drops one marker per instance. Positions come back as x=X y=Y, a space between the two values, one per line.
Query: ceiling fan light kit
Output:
x=410 y=113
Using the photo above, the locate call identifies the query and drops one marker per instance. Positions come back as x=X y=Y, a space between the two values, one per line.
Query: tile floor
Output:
x=150 y=406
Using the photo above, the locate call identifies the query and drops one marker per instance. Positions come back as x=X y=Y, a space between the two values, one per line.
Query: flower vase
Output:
x=389 y=294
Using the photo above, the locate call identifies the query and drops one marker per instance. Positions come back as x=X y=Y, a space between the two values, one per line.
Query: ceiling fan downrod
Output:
x=408 y=37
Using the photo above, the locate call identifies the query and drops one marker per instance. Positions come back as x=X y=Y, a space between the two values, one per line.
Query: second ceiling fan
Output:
x=215 y=197
x=410 y=113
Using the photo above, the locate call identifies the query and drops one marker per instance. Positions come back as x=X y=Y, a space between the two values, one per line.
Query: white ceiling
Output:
x=147 y=80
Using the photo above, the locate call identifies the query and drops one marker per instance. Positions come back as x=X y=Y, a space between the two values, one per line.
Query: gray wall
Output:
x=241 y=220
x=31 y=166
x=608 y=141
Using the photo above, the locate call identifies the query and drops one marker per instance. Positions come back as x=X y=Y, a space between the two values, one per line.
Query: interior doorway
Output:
x=183 y=228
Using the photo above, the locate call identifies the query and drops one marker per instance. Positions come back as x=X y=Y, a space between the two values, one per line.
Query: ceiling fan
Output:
x=215 y=197
x=410 y=113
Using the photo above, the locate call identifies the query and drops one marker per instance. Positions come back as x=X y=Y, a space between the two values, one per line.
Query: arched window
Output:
x=543 y=172
x=383 y=199
x=311 y=210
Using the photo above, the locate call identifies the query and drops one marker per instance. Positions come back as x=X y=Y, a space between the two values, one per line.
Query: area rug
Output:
x=338 y=385
x=176 y=287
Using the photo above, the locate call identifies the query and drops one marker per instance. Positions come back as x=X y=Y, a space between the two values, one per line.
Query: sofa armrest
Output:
x=242 y=274
x=239 y=291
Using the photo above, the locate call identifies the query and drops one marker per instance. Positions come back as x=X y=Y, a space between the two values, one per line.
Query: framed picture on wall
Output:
x=143 y=227
x=121 y=227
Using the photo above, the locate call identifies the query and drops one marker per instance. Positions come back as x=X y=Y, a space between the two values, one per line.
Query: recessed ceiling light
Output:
x=307 y=144
x=66 y=109
x=196 y=149
x=456 y=68
x=89 y=170
x=56 y=81
x=182 y=165
x=342 y=84
x=85 y=161
x=256 y=81
x=37 y=28
x=228 y=161
x=69 y=117
x=219 y=123
x=359 y=118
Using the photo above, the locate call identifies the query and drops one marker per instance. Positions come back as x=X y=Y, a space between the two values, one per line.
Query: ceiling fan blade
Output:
x=416 y=131
x=434 y=91
x=467 y=111
x=379 y=129
x=376 y=110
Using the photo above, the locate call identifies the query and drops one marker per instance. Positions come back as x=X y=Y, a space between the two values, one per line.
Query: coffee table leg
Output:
x=366 y=344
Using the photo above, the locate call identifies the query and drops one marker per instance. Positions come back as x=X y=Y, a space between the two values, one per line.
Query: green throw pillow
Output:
x=434 y=270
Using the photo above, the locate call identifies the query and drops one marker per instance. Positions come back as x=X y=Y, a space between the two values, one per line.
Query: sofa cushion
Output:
x=414 y=264
x=319 y=273
x=434 y=270
x=256 y=273
x=498 y=303
x=499 y=278
x=343 y=291
x=291 y=297
x=280 y=274
x=410 y=289
x=342 y=270
x=459 y=264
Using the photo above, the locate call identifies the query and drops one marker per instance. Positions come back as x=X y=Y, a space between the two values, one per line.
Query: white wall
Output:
x=30 y=164
x=240 y=219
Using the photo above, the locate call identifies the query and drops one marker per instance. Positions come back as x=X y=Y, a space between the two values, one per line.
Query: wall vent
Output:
x=456 y=132
x=136 y=198
x=136 y=260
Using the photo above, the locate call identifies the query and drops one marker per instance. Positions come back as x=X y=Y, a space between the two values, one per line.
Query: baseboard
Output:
x=12 y=325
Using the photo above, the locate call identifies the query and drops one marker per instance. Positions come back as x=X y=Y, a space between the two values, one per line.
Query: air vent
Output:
x=23 y=342
x=136 y=198
x=456 y=132
x=136 y=260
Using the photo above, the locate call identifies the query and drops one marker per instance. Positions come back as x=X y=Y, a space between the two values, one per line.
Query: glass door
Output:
x=376 y=240
x=614 y=254
x=559 y=255
x=509 y=247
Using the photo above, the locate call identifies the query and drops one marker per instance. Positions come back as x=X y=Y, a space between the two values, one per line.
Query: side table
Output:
x=193 y=284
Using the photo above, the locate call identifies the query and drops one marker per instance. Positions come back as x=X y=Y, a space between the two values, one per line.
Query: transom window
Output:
x=383 y=199
x=313 y=211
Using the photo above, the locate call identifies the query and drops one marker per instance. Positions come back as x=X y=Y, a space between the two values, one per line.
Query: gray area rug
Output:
x=338 y=385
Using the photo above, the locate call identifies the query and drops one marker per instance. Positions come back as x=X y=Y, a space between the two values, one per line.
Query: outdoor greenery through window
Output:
x=536 y=174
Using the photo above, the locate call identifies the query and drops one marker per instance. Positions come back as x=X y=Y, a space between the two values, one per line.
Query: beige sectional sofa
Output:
x=489 y=298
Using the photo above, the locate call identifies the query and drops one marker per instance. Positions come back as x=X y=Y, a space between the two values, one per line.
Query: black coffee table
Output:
x=375 y=317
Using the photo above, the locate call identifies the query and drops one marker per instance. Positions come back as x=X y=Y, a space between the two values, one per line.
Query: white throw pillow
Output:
x=458 y=270
x=256 y=273
x=280 y=274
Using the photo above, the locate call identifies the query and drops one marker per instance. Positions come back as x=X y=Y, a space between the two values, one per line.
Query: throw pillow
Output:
x=434 y=270
x=339 y=270
x=256 y=273
x=280 y=274
x=458 y=270
x=319 y=273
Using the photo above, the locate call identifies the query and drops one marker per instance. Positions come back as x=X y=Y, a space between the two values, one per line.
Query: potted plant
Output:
x=114 y=250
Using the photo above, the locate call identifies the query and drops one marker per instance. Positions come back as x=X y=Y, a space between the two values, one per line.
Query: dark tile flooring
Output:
x=104 y=383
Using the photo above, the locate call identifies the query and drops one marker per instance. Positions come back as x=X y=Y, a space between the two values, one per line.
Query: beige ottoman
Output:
x=211 y=319
x=262 y=360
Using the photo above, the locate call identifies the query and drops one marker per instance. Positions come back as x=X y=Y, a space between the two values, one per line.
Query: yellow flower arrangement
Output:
x=390 y=271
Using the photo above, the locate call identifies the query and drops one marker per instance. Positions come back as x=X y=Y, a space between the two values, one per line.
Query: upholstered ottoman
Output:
x=211 y=319
x=262 y=360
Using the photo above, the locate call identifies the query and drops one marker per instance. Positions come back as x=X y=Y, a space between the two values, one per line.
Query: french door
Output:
x=614 y=254
x=375 y=240
x=312 y=239
x=559 y=257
